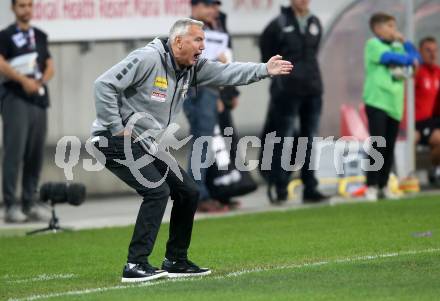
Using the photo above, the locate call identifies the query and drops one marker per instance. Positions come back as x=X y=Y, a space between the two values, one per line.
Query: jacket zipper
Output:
x=172 y=100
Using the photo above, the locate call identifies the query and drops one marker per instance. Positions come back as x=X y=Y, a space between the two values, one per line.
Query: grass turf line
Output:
x=232 y=244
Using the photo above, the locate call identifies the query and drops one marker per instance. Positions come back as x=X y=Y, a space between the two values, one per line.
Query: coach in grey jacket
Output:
x=154 y=81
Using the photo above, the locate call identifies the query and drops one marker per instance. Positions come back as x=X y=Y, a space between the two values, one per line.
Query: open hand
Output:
x=276 y=66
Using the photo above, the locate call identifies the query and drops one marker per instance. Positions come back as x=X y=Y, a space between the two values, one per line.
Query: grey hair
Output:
x=181 y=26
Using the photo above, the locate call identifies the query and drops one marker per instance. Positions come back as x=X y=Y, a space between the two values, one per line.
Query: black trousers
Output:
x=24 y=135
x=184 y=194
x=296 y=116
x=380 y=124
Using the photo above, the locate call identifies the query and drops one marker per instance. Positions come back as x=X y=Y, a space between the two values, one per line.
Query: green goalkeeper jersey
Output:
x=381 y=89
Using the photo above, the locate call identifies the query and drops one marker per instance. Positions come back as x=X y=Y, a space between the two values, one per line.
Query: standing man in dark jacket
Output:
x=296 y=100
x=24 y=111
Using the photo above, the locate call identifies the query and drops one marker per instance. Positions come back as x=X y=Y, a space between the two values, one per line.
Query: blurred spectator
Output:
x=24 y=110
x=428 y=101
x=296 y=100
x=228 y=101
x=228 y=95
x=201 y=109
x=388 y=61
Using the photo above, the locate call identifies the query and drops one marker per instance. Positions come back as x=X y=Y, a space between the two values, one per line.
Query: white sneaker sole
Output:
x=144 y=279
x=182 y=275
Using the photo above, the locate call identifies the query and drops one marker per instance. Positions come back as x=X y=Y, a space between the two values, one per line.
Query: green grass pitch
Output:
x=364 y=251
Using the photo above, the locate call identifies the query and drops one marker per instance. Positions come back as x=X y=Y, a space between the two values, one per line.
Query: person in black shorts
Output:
x=427 y=86
x=426 y=129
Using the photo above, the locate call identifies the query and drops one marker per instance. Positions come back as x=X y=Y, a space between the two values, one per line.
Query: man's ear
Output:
x=179 y=42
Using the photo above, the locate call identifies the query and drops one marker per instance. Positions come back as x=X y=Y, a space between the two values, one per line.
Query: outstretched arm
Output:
x=235 y=74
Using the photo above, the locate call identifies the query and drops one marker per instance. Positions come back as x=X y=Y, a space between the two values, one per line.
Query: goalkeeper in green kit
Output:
x=388 y=62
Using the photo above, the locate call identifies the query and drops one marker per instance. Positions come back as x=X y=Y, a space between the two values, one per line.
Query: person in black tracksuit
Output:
x=295 y=99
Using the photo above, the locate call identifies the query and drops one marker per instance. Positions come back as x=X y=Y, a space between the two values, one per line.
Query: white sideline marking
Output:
x=43 y=277
x=343 y=260
x=234 y=274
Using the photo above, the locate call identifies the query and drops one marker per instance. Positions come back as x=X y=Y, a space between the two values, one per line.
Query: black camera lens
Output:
x=60 y=193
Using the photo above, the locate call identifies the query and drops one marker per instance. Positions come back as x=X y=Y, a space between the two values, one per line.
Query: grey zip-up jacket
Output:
x=148 y=80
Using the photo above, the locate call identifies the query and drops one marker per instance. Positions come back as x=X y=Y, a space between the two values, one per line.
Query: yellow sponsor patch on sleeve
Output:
x=161 y=82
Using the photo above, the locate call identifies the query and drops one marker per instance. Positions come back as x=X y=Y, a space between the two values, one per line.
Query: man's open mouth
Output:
x=197 y=56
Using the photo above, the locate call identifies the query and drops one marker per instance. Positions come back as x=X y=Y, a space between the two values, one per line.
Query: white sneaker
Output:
x=37 y=214
x=371 y=194
x=386 y=193
x=14 y=215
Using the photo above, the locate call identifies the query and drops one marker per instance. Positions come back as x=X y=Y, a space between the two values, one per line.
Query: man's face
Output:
x=301 y=5
x=387 y=30
x=192 y=45
x=205 y=12
x=429 y=52
x=23 y=10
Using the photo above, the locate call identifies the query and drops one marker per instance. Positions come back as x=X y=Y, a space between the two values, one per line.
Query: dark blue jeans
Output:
x=296 y=116
x=201 y=112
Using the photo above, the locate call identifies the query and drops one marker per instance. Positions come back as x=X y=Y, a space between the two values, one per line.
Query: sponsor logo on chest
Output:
x=160 y=82
x=160 y=87
x=158 y=96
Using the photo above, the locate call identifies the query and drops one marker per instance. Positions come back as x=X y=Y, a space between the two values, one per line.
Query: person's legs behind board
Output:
x=310 y=114
x=201 y=112
x=283 y=111
x=428 y=132
x=33 y=163
x=377 y=125
x=16 y=119
x=434 y=142
x=225 y=120
x=392 y=130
